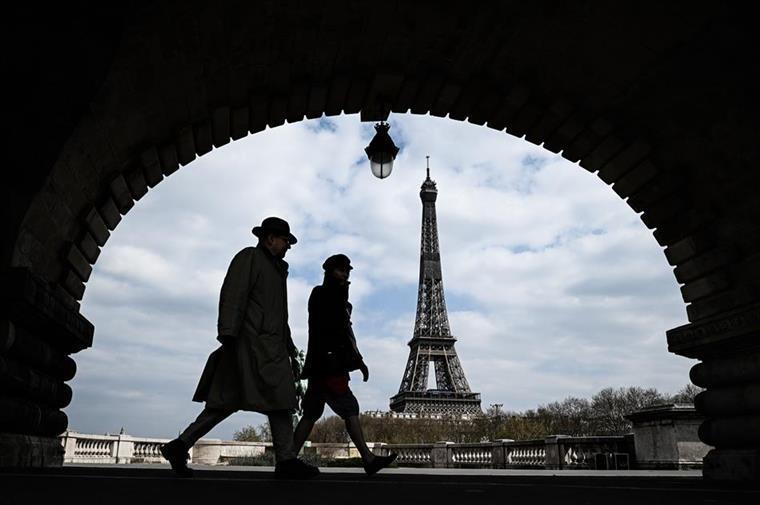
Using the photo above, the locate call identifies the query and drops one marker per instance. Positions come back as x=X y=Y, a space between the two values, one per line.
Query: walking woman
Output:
x=332 y=353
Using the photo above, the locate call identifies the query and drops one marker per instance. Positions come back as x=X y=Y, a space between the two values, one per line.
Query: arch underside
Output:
x=657 y=101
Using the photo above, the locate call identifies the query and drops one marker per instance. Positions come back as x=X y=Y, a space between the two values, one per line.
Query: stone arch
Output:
x=615 y=156
x=622 y=164
x=185 y=79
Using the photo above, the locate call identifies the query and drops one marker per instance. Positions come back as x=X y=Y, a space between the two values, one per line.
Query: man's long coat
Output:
x=254 y=371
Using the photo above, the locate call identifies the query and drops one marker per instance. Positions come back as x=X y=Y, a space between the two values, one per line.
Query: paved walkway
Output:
x=147 y=484
x=477 y=472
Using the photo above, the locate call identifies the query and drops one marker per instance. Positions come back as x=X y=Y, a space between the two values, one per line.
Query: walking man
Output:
x=253 y=370
x=332 y=353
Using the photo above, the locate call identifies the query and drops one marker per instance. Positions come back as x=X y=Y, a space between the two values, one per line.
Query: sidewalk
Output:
x=691 y=474
x=148 y=484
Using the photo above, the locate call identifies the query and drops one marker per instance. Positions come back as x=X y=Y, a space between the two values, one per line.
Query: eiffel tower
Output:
x=432 y=342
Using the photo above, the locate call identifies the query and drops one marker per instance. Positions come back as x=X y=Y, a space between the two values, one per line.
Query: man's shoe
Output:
x=176 y=453
x=379 y=462
x=295 y=469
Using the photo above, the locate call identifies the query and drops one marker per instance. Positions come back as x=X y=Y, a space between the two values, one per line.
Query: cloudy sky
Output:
x=554 y=286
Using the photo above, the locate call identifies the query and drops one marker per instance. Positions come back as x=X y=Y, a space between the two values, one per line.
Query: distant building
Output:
x=380 y=414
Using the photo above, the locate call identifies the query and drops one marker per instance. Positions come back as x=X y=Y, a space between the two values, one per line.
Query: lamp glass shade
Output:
x=381 y=151
x=381 y=165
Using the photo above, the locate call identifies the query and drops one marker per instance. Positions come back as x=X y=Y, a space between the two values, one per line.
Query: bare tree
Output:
x=686 y=394
x=610 y=406
x=260 y=433
x=571 y=416
x=604 y=414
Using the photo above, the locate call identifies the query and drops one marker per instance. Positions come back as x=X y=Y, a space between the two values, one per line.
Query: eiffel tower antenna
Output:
x=432 y=343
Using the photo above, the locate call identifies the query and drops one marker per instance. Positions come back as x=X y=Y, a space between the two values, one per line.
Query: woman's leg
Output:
x=313 y=405
x=302 y=432
x=354 y=428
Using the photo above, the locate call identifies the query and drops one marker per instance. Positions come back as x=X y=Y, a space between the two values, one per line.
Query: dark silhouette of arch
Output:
x=657 y=100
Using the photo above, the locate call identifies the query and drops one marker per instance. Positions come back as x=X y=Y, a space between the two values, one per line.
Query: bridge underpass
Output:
x=657 y=99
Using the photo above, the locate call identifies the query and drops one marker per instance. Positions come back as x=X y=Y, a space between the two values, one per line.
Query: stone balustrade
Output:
x=411 y=454
x=555 y=452
x=664 y=437
x=113 y=449
x=86 y=448
x=522 y=454
x=211 y=451
x=602 y=453
x=478 y=455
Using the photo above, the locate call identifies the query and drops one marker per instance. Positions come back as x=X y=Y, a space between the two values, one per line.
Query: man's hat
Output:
x=275 y=226
x=335 y=261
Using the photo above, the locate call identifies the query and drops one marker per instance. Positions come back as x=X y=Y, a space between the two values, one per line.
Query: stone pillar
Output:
x=665 y=437
x=379 y=448
x=729 y=347
x=124 y=449
x=69 y=443
x=553 y=458
x=40 y=327
x=441 y=456
x=499 y=452
x=207 y=451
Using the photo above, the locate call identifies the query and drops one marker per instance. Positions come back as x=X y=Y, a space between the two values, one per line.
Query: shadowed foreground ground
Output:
x=148 y=484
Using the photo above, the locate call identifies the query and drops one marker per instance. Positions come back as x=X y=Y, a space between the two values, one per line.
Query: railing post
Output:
x=113 y=450
x=554 y=452
x=499 y=452
x=69 y=446
x=125 y=449
x=441 y=456
x=207 y=451
x=629 y=447
x=380 y=448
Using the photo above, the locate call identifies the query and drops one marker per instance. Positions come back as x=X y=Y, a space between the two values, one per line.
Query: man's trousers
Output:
x=280 y=422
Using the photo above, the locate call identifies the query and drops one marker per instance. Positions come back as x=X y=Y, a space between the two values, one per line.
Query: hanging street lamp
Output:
x=381 y=151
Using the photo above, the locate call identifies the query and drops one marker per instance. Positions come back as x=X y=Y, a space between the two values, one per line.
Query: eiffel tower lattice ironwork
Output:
x=432 y=343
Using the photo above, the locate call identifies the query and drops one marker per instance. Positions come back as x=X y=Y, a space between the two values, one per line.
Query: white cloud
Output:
x=554 y=286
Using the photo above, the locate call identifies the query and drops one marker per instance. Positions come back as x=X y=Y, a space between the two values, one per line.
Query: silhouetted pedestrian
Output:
x=332 y=353
x=253 y=370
